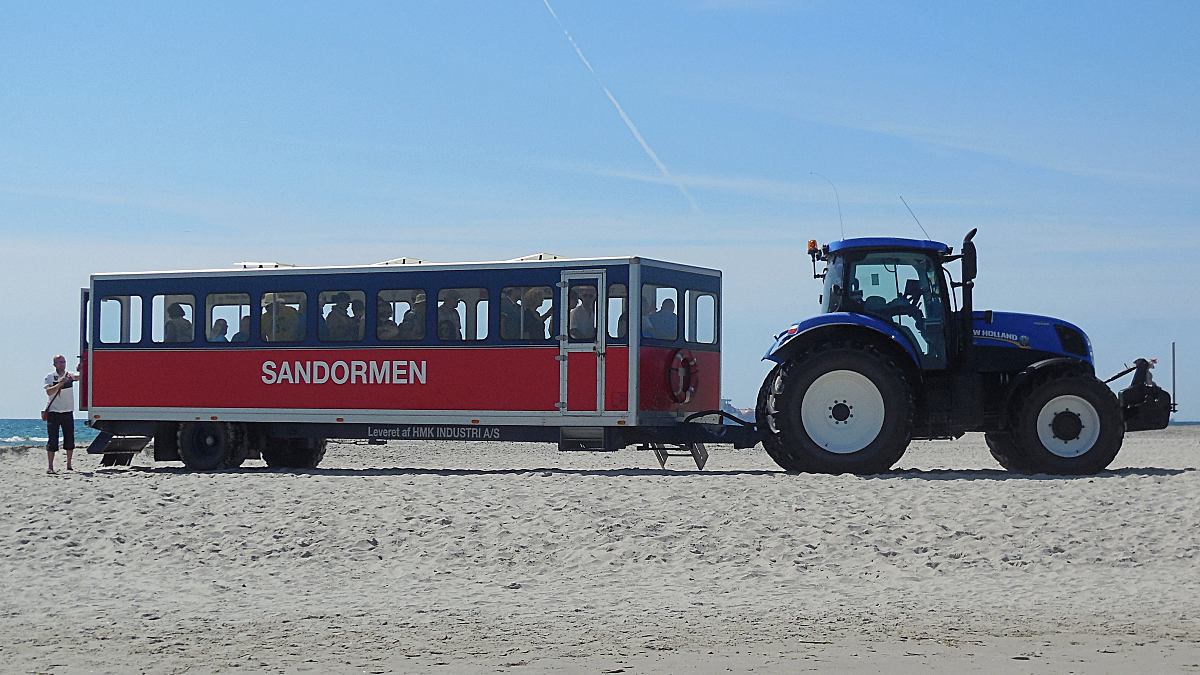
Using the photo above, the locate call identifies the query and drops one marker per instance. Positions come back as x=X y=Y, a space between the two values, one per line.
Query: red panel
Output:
x=581 y=381
x=83 y=378
x=616 y=379
x=653 y=386
x=467 y=378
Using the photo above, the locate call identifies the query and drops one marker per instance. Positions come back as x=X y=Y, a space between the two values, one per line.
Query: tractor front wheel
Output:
x=1068 y=425
x=838 y=408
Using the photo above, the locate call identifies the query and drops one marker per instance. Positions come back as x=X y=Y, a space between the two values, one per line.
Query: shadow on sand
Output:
x=899 y=474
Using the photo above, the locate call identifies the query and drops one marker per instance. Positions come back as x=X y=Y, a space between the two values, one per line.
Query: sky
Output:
x=145 y=135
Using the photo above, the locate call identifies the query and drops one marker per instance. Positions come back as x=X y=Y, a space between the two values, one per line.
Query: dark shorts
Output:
x=56 y=421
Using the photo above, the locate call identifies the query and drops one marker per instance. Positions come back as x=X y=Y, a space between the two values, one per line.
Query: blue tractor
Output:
x=890 y=360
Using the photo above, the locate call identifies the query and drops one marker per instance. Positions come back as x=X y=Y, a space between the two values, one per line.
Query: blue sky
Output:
x=175 y=135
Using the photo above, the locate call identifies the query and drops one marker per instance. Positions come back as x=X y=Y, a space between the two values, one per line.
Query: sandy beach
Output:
x=445 y=557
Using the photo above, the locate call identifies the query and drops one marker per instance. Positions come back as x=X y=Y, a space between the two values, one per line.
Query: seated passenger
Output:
x=533 y=323
x=358 y=312
x=412 y=326
x=341 y=326
x=243 y=333
x=177 y=328
x=219 y=330
x=664 y=324
x=282 y=323
x=510 y=313
x=582 y=324
x=449 y=322
x=385 y=327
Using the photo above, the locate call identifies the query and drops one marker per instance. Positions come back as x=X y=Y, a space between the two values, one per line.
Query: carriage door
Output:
x=581 y=332
x=84 y=336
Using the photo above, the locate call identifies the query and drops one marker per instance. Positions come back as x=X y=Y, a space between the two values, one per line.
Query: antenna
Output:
x=837 y=197
x=910 y=212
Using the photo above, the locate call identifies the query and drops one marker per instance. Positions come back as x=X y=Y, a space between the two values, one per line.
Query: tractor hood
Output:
x=1033 y=332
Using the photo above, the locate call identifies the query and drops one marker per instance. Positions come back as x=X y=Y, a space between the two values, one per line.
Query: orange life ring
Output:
x=683 y=375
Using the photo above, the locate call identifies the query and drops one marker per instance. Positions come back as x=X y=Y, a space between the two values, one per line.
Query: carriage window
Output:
x=400 y=315
x=618 y=311
x=228 y=317
x=121 y=319
x=282 y=318
x=701 y=317
x=526 y=312
x=462 y=314
x=172 y=318
x=659 y=319
x=343 y=315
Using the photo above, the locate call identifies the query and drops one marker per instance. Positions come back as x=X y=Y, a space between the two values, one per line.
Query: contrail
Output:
x=637 y=135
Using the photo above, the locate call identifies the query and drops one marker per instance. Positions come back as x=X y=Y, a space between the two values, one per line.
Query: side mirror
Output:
x=969 y=265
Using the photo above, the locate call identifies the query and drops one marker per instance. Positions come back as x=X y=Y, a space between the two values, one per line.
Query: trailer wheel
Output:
x=207 y=446
x=840 y=408
x=294 y=453
x=1069 y=425
x=1006 y=452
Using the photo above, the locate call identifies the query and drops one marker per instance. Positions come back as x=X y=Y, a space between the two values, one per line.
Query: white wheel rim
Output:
x=1070 y=406
x=842 y=411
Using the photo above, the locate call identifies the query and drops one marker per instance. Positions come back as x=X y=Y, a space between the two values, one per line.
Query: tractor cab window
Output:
x=904 y=289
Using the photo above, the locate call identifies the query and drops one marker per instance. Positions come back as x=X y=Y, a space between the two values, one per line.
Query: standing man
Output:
x=58 y=414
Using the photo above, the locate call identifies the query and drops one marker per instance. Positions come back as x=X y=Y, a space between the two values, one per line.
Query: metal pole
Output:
x=1174 y=391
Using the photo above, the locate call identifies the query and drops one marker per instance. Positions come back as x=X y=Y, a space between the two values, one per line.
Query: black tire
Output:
x=1006 y=452
x=294 y=453
x=209 y=446
x=242 y=449
x=763 y=414
x=861 y=366
x=1084 y=432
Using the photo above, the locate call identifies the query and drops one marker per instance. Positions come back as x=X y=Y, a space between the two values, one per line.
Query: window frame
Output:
x=127 y=323
x=422 y=325
x=469 y=317
x=691 y=305
x=656 y=306
x=302 y=323
x=548 y=295
x=322 y=318
x=230 y=330
x=165 y=318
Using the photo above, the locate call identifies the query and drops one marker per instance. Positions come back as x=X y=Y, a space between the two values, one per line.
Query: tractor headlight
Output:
x=1073 y=342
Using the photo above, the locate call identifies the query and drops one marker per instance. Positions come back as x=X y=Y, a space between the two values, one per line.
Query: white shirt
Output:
x=583 y=322
x=65 y=401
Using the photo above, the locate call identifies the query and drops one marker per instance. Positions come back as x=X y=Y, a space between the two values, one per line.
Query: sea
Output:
x=33 y=432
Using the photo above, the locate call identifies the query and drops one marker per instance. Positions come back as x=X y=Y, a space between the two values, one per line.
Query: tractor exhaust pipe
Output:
x=970 y=268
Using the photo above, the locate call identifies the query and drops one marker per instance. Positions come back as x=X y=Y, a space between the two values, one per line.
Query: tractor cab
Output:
x=900 y=282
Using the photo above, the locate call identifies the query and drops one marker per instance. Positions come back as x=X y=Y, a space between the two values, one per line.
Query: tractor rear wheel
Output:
x=764 y=412
x=207 y=446
x=294 y=453
x=838 y=408
x=1069 y=425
